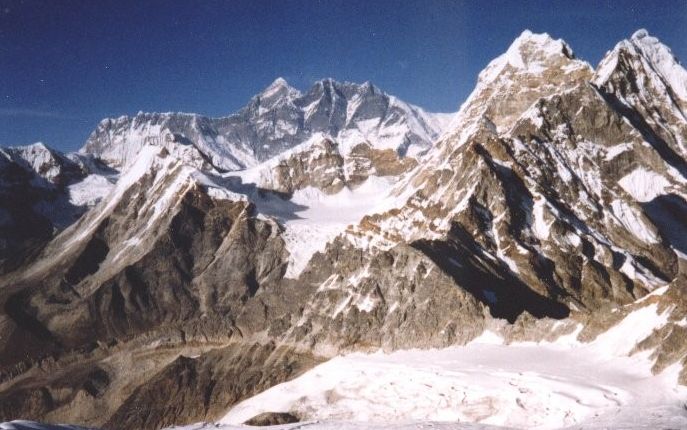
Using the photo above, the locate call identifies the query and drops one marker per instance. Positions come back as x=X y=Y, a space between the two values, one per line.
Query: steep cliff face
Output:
x=555 y=205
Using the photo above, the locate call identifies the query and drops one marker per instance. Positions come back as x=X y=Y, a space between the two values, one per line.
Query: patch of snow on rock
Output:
x=644 y=185
x=633 y=222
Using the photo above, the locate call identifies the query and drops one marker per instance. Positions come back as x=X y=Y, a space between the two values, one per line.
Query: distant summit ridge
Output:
x=275 y=120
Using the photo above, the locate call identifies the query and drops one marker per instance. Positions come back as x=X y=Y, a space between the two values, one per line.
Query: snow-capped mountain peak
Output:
x=529 y=53
x=276 y=91
x=278 y=83
x=542 y=43
x=643 y=76
x=534 y=66
x=47 y=163
x=663 y=61
x=658 y=58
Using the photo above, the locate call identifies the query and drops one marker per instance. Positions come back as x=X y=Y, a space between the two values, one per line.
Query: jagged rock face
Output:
x=165 y=260
x=320 y=163
x=364 y=161
x=320 y=166
x=42 y=192
x=395 y=299
x=198 y=265
x=276 y=120
x=49 y=164
x=156 y=388
x=668 y=345
x=145 y=260
x=22 y=228
x=534 y=66
x=542 y=186
x=642 y=80
x=192 y=138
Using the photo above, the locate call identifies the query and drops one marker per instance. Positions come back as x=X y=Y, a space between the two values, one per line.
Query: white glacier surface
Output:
x=563 y=384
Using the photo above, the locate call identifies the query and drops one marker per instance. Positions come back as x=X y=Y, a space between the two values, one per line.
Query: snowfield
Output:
x=312 y=218
x=338 y=425
x=321 y=217
x=524 y=386
x=91 y=190
x=564 y=384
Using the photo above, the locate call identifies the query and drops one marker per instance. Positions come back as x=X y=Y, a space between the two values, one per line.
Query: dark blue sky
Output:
x=64 y=65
